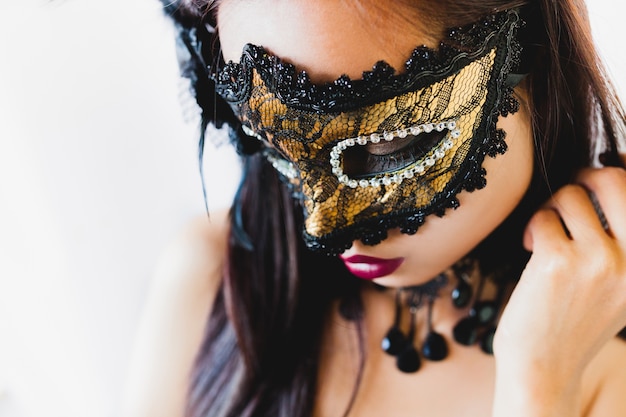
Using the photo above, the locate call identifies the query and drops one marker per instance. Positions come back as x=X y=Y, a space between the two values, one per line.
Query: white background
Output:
x=98 y=170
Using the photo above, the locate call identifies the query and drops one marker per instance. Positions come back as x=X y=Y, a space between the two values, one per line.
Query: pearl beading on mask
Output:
x=252 y=133
x=283 y=166
x=286 y=168
x=416 y=169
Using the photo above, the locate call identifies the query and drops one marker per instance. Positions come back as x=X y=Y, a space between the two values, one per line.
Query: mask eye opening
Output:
x=441 y=142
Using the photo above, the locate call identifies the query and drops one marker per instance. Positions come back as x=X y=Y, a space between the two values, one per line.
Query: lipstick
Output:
x=369 y=268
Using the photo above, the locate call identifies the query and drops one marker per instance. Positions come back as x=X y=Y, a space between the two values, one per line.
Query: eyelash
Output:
x=358 y=162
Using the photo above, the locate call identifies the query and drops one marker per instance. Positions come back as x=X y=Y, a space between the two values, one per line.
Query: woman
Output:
x=463 y=175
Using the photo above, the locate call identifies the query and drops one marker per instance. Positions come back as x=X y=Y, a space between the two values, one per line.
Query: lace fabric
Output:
x=388 y=150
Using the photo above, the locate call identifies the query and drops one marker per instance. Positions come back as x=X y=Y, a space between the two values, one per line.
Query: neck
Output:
x=421 y=322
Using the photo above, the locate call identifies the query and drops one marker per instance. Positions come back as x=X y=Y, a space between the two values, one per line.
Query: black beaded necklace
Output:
x=479 y=325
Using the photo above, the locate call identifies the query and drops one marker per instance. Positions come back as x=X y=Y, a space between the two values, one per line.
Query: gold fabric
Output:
x=306 y=138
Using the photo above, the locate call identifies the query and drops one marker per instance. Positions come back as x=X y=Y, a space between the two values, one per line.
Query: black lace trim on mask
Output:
x=424 y=67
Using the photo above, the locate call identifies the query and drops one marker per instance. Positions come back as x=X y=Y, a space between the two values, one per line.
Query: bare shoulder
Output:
x=196 y=255
x=606 y=381
x=186 y=279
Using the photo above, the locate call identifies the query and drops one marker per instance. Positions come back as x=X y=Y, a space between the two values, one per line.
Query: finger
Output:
x=579 y=215
x=544 y=230
x=609 y=187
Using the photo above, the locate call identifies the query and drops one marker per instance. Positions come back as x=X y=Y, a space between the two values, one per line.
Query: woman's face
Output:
x=328 y=39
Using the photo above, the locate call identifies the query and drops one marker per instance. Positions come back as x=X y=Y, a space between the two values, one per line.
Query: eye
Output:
x=389 y=156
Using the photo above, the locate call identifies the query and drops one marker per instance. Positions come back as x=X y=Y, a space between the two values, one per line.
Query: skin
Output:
x=337 y=51
x=590 y=261
x=568 y=365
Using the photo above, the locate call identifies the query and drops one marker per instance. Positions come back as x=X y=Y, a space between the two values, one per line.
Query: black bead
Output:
x=394 y=341
x=462 y=294
x=465 y=331
x=484 y=311
x=486 y=344
x=435 y=347
x=408 y=360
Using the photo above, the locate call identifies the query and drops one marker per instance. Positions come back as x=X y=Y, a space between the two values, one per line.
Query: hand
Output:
x=571 y=298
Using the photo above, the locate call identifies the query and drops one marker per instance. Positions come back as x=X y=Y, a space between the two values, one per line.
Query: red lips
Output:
x=368 y=267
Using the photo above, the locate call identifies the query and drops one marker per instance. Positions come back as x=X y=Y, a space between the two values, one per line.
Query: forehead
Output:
x=326 y=38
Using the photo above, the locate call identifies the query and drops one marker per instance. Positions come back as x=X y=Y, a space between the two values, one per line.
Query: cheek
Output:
x=511 y=173
x=508 y=178
x=443 y=241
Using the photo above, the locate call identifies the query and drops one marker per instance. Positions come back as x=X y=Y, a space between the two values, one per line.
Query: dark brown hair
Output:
x=260 y=353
